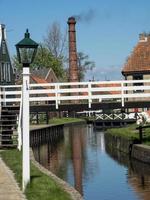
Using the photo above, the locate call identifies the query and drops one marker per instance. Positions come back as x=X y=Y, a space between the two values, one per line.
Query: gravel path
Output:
x=9 y=190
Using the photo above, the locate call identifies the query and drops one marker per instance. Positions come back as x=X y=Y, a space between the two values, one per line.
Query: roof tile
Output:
x=139 y=60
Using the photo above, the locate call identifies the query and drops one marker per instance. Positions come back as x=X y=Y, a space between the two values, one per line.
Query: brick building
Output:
x=43 y=75
x=137 y=66
x=38 y=75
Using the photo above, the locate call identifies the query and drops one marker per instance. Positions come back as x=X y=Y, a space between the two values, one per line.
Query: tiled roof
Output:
x=40 y=80
x=40 y=72
x=139 y=60
x=37 y=79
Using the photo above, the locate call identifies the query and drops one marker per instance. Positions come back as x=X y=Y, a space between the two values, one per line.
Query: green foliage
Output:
x=41 y=186
x=44 y=59
x=128 y=132
x=131 y=133
x=16 y=63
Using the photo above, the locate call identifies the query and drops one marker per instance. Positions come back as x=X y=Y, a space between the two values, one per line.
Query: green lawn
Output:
x=64 y=120
x=131 y=133
x=41 y=187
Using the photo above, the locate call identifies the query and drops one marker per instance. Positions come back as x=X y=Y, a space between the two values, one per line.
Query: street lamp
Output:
x=26 y=51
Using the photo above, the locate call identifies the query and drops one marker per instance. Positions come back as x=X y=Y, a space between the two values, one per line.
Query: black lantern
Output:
x=26 y=50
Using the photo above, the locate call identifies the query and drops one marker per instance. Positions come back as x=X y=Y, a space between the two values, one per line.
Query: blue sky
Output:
x=108 y=38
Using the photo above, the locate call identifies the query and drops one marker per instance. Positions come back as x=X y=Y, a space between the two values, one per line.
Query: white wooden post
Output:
x=4 y=97
x=122 y=94
x=57 y=95
x=89 y=94
x=25 y=126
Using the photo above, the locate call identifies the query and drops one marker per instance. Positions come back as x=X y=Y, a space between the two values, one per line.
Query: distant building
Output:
x=45 y=75
x=39 y=75
x=137 y=66
x=6 y=70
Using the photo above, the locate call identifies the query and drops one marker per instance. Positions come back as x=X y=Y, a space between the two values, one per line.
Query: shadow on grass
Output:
x=33 y=177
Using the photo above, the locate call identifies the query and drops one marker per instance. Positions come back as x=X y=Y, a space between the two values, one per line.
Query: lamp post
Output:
x=26 y=51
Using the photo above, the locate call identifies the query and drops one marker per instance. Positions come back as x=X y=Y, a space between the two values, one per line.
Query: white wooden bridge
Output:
x=78 y=92
x=59 y=94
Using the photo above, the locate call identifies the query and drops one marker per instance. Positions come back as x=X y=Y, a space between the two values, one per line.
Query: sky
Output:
x=107 y=31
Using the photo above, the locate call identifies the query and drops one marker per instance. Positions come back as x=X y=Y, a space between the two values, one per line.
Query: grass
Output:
x=64 y=120
x=131 y=133
x=41 y=186
x=128 y=132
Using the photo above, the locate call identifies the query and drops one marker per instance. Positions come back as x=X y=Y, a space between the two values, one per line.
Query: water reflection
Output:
x=95 y=170
x=77 y=140
x=138 y=174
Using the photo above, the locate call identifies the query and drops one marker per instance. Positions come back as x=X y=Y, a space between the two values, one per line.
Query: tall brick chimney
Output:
x=73 y=64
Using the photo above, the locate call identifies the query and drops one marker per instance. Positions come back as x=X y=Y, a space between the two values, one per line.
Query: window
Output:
x=3 y=48
x=138 y=77
x=5 y=72
x=2 y=72
x=8 y=73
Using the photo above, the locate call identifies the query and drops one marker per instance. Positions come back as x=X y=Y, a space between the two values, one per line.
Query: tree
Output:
x=84 y=65
x=44 y=59
x=56 y=41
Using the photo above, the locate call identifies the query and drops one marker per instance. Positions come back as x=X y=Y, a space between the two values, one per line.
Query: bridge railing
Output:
x=79 y=92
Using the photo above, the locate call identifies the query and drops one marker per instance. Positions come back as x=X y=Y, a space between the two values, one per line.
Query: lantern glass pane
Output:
x=26 y=55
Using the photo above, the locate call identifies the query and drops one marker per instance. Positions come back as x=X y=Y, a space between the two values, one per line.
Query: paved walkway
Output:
x=9 y=190
x=36 y=126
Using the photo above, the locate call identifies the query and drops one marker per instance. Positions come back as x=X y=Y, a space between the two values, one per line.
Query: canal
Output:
x=84 y=160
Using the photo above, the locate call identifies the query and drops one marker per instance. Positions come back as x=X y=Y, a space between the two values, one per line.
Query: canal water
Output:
x=83 y=159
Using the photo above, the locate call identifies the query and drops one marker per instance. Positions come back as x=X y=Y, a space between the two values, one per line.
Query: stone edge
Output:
x=75 y=195
x=139 y=152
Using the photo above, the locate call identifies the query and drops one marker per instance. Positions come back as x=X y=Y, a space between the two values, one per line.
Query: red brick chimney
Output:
x=73 y=64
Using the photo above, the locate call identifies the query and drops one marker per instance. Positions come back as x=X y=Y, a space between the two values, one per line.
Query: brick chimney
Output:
x=143 y=37
x=73 y=64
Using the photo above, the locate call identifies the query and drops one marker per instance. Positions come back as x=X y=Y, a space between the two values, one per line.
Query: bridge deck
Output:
x=81 y=107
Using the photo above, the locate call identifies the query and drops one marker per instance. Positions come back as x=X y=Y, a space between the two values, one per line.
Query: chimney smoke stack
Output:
x=73 y=64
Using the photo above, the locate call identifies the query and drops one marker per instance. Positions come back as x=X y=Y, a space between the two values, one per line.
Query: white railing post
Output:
x=89 y=94
x=122 y=94
x=57 y=95
x=4 y=97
